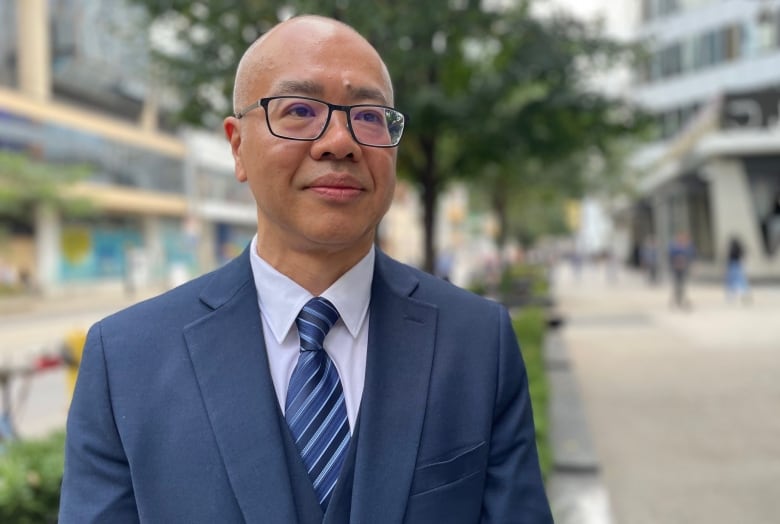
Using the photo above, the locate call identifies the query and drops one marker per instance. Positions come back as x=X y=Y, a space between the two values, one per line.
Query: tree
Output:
x=481 y=86
x=543 y=124
x=25 y=183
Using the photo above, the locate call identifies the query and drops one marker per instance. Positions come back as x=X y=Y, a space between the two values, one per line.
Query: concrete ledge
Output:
x=576 y=491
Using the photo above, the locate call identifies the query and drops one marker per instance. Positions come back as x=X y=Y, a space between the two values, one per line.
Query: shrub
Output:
x=530 y=327
x=30 y=477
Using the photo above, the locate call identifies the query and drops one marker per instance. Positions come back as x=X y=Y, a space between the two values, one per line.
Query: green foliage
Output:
x=30 y=477
x=534 y=274
x=530 y=325
x=25 y=182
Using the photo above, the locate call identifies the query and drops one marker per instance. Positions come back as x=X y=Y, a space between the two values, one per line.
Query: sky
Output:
x=619 y=16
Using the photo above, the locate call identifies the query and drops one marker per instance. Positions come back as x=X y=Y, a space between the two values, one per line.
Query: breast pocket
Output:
x=460 y=464
x=449 y=490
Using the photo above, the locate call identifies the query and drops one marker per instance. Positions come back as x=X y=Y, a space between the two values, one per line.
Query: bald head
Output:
x=267 y=51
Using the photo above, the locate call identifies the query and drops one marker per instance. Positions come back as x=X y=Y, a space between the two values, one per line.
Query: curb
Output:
x=575 y=488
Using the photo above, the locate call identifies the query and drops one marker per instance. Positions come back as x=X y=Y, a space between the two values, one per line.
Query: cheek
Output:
x=269 y=169
x=389 y=192
x=385 y=179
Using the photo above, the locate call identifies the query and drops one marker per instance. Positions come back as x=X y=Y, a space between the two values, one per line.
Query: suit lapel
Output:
x=242 y=409
x=400 y=355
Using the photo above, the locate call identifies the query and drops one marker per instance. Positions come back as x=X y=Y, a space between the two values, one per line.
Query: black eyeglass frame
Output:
x=263 y=102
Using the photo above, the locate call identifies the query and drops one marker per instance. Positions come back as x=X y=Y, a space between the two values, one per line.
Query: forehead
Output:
x=322 y=59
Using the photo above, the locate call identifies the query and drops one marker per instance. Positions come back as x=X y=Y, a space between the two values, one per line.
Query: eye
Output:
x=300 y=110
x=369 y=115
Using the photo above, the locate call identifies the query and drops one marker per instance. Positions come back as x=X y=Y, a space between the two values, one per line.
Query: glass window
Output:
x=703 y=50
x=7 y=43
x=692 y=4
x=766 y=33
x=719 y=46
x=671 y=61
x=112 y=162
x=733 y=42
x=777 y=28
x=100 y=56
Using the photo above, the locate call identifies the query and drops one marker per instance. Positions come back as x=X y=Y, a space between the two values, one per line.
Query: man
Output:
x=681 y=255
x=191 y=407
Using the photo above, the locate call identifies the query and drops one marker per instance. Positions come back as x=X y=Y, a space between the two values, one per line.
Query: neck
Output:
x=315 y=271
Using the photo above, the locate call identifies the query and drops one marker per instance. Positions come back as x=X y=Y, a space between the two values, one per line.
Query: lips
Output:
x=336 y=187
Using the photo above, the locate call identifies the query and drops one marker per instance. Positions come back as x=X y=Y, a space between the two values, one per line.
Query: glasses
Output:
x=304 y=118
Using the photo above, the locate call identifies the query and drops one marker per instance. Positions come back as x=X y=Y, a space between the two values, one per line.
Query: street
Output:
x=682 y=405
x=30 y=327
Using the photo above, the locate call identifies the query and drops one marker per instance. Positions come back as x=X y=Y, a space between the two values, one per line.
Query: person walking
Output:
x=313 y=378
x=649 y=259
x=681 y=256
x=737 y=286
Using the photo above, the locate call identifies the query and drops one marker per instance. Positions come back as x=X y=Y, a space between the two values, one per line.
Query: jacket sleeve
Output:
x=96 y=486
x=514 y=490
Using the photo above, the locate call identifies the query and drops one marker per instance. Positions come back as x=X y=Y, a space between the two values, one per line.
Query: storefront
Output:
x=131 y=228
x=718 y=181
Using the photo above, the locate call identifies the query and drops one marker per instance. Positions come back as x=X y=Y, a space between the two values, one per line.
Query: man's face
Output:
x=322 y=196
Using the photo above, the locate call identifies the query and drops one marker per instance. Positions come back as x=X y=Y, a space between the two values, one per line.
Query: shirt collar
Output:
x=281 y=299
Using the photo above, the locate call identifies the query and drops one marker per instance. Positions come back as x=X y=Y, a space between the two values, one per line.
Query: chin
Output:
x=340 y=238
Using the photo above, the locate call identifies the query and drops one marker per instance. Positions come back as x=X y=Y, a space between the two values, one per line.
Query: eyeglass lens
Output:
x=302 y=118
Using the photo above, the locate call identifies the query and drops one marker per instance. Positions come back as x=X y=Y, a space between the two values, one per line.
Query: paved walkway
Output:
x=31 y=326
x=682 y=407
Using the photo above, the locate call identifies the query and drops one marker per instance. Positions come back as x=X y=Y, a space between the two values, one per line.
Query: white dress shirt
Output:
x=281 y=299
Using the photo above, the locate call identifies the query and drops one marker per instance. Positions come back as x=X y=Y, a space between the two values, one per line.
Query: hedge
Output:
x=30 y=477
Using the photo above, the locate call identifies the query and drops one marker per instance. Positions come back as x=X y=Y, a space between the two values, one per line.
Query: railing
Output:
x=12 y=399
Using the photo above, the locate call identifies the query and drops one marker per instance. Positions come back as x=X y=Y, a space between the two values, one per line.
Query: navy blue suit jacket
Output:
x=175 y=419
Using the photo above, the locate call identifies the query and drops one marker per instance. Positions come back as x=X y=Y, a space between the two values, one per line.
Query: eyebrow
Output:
x=313 y=89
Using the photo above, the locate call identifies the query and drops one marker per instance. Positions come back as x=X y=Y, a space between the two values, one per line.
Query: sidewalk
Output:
x=32 y=326
x=679 y=407
x=107 y=296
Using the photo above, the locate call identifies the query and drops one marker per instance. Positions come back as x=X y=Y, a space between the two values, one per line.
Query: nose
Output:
x=337 y=140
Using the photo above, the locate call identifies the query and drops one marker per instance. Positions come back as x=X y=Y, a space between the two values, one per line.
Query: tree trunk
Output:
x=500 y=208
x=430 y=195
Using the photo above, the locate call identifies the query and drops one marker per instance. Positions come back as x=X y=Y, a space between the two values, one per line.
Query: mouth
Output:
x=337 y=188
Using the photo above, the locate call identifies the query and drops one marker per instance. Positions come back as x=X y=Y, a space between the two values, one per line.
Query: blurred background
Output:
x=625 y=154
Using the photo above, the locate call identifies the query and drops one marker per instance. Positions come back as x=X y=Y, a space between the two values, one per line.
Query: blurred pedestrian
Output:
x=737 y=286
x=771 y=226
x=649 y=259
x=445 y=261
x=681 y=256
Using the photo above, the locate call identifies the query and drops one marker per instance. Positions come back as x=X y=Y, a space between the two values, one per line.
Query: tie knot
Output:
x=314 y=321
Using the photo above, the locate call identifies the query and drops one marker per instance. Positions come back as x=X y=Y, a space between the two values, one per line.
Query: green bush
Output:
x=530 y=326
x=518 y=285
x=535 y=274
x=30 y=477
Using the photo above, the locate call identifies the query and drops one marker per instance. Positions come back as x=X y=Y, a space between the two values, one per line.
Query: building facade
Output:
x=76 y=89
x=713 y=81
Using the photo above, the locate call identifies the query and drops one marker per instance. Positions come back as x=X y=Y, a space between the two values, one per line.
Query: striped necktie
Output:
x=315 y=409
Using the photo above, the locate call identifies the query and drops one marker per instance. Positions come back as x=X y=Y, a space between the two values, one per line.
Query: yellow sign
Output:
x=573 y=214
x=76 y=244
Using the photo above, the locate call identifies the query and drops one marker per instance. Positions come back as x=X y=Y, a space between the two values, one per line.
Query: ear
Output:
x=233 y=134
